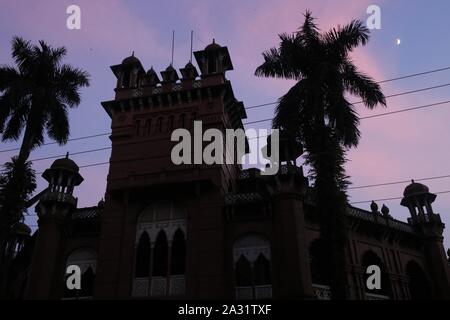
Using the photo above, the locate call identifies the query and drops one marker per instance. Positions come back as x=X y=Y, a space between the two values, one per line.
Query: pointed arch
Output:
x=86 y=260
x=243 y=272
x=178 y=259
x=371 y=258
x=160 y=255
x=261 y=271
x=142 y=265
x=419 y=286
x=87 y=283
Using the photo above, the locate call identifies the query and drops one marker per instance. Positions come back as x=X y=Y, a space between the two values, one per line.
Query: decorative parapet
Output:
x=241 y=198
x=322 y=292
x=378 y=219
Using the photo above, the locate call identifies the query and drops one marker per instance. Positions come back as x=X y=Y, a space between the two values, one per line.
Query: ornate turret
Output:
x=54 y=210
x=151 y=78
x=214 y=59
x=129 y=73
x=418 y=199
x=62 y=177
x=170 y=75
x=189 y=72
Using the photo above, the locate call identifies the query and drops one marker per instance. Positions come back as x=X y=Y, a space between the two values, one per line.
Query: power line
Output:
x=271 y=103
x=263 y=136
x=358 y=102
x=397 y=182
x=72 y=154
x=393 y=198
x=73 y=139
x=414 y=75
x=377 y=115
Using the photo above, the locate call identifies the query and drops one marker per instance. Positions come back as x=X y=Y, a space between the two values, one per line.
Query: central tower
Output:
x=149 y=198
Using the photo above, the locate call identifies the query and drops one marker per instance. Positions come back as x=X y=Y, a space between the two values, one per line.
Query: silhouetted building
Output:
x=209 y=231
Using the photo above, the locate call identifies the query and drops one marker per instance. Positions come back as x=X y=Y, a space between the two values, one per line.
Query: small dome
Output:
x=21 y=229
x=415 y=188
x=213 y=46
x=65 y=164
x=151 y=71
x=131 y=59
x=189 y=65
x=170 y=68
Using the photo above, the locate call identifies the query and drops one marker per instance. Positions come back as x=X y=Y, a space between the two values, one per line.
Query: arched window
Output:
x=87 y=283
x=371 y=258
x=251 y=256
x=86 y=260
x=142 y=267
x=243 y=273
x=178 y=258
x=161 y=251
x=161 y=255
x=419 y=286
x=262 y=274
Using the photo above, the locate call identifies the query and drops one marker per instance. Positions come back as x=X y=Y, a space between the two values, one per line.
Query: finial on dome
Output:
x=67 y=155
x=132 y=54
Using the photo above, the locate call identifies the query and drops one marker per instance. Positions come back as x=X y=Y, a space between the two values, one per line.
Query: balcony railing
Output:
x=322 y=292
x=176 y=286
x=253 y=292
x=373 y=296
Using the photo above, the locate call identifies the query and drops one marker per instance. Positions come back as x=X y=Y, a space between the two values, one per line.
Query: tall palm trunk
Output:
x=325 y=158
x=29 y=135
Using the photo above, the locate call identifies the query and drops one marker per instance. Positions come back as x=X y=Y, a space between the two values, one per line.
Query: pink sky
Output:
x=399 y=147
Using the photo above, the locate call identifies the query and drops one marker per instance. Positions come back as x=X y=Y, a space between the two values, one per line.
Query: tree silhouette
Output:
x=316 y=111
x=35 y=96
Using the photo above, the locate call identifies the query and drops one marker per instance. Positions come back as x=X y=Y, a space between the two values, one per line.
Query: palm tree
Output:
x=17 y=183
x=316 y=111
x=36 y=95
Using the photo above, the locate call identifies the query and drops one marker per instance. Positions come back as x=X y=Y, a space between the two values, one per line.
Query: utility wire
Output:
x=397 y=182
x=359 y=102
x=379 y=114
x=394 y=198
x=362 y=118
x=271 y=103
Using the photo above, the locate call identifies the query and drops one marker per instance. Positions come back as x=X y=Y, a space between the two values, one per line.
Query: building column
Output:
x=291 y=269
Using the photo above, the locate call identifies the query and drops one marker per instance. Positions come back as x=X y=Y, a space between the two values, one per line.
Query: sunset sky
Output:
x=398 y=147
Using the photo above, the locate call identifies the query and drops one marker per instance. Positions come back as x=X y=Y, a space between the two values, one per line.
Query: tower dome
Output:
x=62 y=171
x=415 y=188
x=130 y=59
x=65 y=164
x=213 y=46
